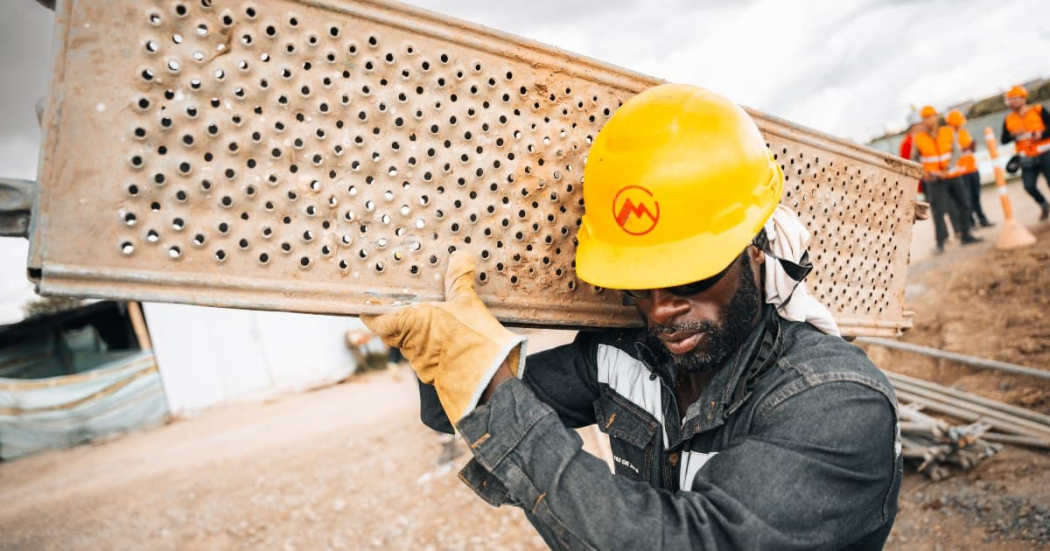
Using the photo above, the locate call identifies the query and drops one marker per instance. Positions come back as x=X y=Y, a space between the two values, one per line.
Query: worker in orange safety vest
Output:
x=963 y=165
x=1029 y=126
x=944 y=193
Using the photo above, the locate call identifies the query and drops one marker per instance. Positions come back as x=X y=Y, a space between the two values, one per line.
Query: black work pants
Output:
x=1031 y=168
x=948 y=197
x=973 y=190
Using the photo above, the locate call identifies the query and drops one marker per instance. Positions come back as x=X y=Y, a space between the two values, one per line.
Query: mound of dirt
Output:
x=996 y=305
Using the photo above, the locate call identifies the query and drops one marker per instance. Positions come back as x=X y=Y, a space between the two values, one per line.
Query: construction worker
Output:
x=963 y=165
x=734 y=422
x=946 y=195
x=1029 y=125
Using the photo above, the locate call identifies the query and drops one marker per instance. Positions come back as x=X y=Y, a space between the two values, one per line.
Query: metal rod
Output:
x=913 y=414
x=967 y=415
x=1017 y=440
x=960 y=358
x=1005 y=408
x=1019 y=426
x=975 y=408
x=915 y=427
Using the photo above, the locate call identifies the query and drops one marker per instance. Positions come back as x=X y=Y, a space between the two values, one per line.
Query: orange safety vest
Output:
x=947 y=139
x=1026 y=128
x=931 y=156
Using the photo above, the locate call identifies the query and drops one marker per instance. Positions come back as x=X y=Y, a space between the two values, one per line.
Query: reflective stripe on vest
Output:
x=943 y=158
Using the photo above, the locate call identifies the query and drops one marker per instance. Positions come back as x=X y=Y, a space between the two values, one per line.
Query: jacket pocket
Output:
x=632 y=435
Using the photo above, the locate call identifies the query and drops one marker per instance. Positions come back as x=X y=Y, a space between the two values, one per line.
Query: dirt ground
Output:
x=350 y=467
x=990 y=304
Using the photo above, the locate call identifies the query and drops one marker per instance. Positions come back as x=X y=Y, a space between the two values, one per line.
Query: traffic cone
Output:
x=1014 y=235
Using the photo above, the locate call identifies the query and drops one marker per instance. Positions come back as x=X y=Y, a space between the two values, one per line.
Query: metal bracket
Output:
x=16 y=205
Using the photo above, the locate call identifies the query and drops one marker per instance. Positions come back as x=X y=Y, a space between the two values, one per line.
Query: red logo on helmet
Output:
x=635 y=210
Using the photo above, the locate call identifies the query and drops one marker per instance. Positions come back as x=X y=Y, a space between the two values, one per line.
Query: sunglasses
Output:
x=689 y=289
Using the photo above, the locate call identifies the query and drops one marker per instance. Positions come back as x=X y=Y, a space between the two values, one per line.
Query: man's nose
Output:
x=663 y=307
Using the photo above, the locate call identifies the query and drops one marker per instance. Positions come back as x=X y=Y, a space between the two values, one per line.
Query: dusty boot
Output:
x=970 y=239
x=940 y=248
x=1046 y=212
x=985 y=223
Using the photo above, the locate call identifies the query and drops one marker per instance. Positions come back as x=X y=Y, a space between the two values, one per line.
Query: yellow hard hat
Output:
x=677 y=183
x=955 y=118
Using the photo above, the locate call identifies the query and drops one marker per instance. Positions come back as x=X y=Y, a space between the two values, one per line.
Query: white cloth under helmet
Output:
x=788 y=239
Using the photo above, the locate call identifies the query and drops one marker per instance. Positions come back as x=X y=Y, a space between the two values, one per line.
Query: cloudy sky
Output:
x=850 y=68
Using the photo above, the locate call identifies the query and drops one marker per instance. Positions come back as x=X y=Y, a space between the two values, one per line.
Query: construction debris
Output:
x=938 y=445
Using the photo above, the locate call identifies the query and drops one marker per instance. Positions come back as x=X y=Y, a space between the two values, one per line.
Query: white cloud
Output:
x=840 y=67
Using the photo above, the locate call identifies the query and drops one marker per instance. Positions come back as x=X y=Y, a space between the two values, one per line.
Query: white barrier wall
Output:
x=209 y=356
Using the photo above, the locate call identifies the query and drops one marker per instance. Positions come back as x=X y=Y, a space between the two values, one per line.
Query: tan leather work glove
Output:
x=455 y=345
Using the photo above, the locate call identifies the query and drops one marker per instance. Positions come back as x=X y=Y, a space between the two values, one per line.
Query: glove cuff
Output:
x=490 y=371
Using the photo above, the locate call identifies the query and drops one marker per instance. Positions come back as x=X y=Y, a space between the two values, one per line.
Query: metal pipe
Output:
x=975 y=408
x=967 y=415
x=1005 y=408
x=1015 y=440
x=918 y=428
x=913 y=414
x=1018 y=426
x=959 y=358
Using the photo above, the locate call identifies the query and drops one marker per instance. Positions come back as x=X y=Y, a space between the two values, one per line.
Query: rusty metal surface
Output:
x=325 y=156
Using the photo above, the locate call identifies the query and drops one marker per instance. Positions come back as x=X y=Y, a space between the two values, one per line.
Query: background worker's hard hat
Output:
x=914 y=118
x=955 y=118
x=927 y=112
x=677 y=184
x=1017 y=92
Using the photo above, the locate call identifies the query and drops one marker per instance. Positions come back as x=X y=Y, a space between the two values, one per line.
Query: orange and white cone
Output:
x=1014 y=235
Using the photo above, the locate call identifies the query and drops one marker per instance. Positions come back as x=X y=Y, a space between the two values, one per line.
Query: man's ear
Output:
x=756 y=256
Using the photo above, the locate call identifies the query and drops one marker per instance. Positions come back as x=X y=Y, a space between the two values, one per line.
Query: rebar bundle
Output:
x=936 y=445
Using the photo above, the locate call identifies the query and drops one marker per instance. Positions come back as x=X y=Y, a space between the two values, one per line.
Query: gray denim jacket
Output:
x=793 y=445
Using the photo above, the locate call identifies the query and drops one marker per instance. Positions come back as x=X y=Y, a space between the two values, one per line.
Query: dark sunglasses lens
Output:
x=636 y=294
x=700 y=286
x=691 y=288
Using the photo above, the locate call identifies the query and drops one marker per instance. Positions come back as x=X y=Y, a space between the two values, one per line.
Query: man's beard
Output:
x=738 y=318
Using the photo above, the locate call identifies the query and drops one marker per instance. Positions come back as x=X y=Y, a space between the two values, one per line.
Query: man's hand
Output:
x=455 y=345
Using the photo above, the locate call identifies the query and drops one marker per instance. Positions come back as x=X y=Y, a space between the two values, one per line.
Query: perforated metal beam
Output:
x=326 y=156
